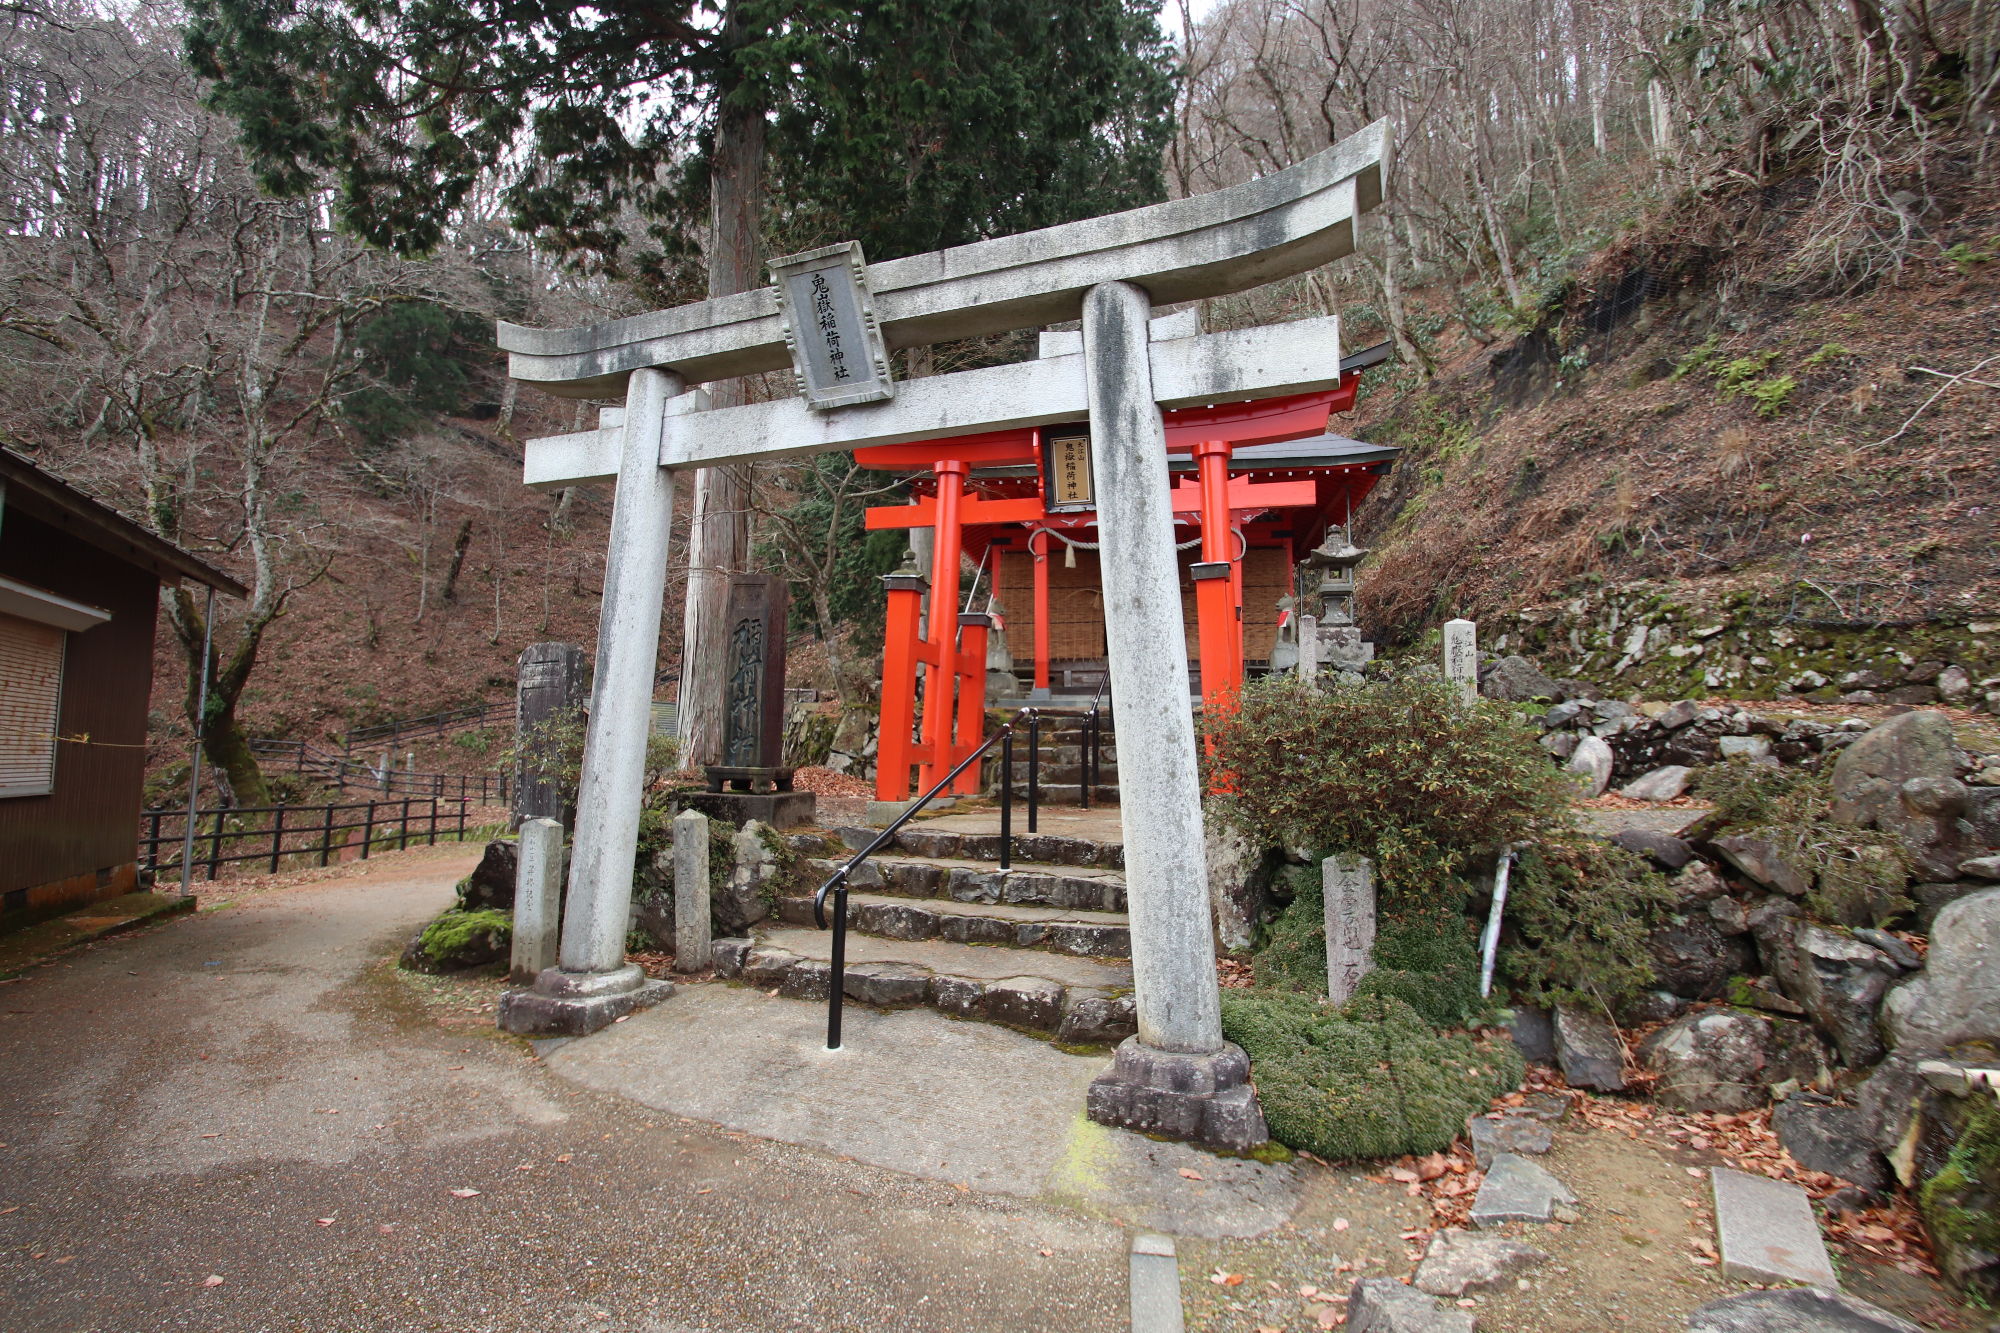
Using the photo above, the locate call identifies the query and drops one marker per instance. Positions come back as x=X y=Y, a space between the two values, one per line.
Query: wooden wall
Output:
x=79 y=842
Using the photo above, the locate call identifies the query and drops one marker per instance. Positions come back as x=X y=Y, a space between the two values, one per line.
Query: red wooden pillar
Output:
x=902 y=650
x=971 y=672
x=1041 y=559
x=1216 y=596
x=947 y=546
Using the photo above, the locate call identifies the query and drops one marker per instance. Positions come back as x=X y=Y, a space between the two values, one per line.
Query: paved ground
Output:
x=252 y=1095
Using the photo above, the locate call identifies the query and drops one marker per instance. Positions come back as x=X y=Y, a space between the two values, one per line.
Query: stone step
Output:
x=1085 y=934
x=1063 y=793
x=1076 y=1000
x=1060 y=754
x=1051 y=774
x=1047 y=849
x=1767 y=1231
x=968 y=881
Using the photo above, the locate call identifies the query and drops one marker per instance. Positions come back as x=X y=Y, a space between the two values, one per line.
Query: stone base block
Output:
x=779 y=809
x=1197 y=1098
x=575 y=1004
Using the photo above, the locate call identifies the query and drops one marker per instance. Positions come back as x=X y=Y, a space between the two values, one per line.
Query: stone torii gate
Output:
x=1177 y=1076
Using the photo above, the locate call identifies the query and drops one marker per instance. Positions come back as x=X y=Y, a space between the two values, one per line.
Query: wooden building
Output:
x=79 y=597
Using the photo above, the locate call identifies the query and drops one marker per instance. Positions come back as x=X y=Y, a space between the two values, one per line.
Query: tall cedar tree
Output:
x=910 y=124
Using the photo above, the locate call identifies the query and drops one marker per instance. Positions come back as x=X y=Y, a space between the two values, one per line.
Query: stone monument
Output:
x=1178 y=1076
x=1349 y=887
x=549 y=681
x=1461 y=657
x=752 y=781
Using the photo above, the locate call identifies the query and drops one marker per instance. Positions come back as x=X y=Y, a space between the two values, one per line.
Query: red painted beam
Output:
x=971 y=513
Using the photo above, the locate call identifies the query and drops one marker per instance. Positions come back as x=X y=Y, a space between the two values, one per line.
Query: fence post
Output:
x=403 y=828
x=368 y=831
x=277 y=837
x=326 y=835
x=215 y=847
x=153 y=841
x=461 y=819
x=434 y=821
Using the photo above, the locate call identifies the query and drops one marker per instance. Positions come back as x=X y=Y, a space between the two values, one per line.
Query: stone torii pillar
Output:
x=1177 y=1076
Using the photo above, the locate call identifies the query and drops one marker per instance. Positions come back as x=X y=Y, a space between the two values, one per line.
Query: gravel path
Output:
x=245 y=1120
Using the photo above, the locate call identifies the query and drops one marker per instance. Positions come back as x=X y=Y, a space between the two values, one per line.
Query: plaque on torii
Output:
x=1178 y=1076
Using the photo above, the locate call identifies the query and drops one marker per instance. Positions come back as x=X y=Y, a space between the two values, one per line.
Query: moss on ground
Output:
x=1372 y=1079
x=455 y=931
x=1961 y=1203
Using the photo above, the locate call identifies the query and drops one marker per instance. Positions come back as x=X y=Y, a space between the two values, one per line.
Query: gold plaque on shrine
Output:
x=1066 y=480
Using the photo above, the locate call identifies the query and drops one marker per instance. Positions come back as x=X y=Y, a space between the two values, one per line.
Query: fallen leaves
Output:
x=212 y=1280
x=1222 y=1279
x=465 y=1194
x=323 y=1221
x=1189 y=1173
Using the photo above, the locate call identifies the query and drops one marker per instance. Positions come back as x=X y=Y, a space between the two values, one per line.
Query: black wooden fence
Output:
x=430 y=724
x=299 y=834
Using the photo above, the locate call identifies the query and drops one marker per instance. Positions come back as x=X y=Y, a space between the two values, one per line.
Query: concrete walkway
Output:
x=245 y=1120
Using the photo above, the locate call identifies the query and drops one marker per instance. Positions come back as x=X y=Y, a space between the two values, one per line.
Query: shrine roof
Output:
x=1315 y=451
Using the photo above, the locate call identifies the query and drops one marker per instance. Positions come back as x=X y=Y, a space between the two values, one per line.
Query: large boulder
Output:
x=745 y=897
x=1588 y=1050
x=1764 y=861
x=491 y=883
x=1871 y=772
x=1839 y=980
x=1795 y=1310
x=1517 y=680
x=1384 y=1305
x=1928 y=817
x=1956 y=998
x=1662 y=784
x=1728 y=1060
x=459 y=940
x=1239 y=880
x=1591 y=763
x=1823 y=1135
x=1694 y=958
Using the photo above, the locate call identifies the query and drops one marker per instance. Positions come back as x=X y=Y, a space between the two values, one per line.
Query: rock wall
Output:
x=1633 y=638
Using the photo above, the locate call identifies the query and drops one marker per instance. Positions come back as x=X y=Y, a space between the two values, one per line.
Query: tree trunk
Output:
x=719 y=527
x=222 y=738
x=449 y=591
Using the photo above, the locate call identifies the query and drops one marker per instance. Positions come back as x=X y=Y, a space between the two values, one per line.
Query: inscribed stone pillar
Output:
x=691 y=933
x=549 y=681
x=1461 y=657
x=1177 y=1076
x=592 y=984
x=753 y=724
x=1349 y=884
x=1308 y=647
x=537 y=896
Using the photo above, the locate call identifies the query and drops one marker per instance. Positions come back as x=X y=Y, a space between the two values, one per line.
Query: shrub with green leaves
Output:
x=1423 y=956
x=1399 y=770
x=1581 y=910
x=1368 y=1080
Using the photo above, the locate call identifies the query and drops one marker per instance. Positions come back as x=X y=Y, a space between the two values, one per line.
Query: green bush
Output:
x=552 y=750
x=1424 y=957
x=1581 y=910
x=1397 y=770
x=1370 y=1080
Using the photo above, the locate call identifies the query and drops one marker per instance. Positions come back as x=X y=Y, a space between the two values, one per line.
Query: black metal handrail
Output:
x=1090 y=758
x=837 y=883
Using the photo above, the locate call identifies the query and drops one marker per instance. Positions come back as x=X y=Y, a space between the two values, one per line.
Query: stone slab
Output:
x=1517 y=1190
x=958 y=960
x=779 y=809
x=1156 y=1285
x=916 y=1092
x=1767 y=1231
x=1460 y=1261
x=1520 y=1134
x=1384 y=1305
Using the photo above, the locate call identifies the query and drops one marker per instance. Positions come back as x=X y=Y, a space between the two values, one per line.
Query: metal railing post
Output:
x=1083 y=748
x=368 y=830
x=1034 y=766
x=836 y=981
x=277 y=836
x=403 y=828
x=326 y=835
x=1006 y=800
x=215 y=847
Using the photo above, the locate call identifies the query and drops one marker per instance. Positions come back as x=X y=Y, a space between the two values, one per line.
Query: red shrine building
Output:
x=1256 y=486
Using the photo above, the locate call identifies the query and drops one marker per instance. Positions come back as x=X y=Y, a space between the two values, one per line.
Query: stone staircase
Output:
x=1062 y=753
x=932 y=920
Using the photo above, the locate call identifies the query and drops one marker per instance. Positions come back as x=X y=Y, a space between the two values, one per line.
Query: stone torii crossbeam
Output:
x=1177 y=1076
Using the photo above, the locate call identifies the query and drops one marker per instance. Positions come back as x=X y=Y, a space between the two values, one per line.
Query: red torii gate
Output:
x=953 y=653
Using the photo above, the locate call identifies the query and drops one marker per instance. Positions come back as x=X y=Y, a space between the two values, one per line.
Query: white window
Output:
x=31 y=662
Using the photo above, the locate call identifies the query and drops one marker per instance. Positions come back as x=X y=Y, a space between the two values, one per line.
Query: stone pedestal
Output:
x=1203 y=1098
x=575 y=1004
x=691 y=936
x=779 y=809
